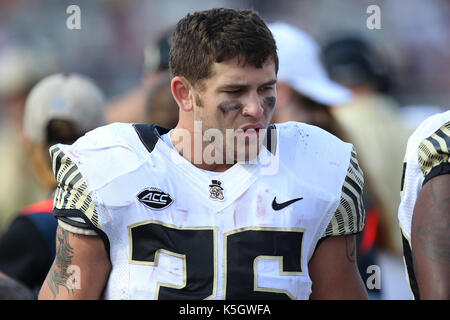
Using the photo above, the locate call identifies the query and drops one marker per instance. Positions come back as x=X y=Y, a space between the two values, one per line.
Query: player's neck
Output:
x=200 y=153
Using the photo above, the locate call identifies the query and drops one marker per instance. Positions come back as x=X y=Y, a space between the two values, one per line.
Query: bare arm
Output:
x=430 y=239
x=78 y=258
x=334 y=272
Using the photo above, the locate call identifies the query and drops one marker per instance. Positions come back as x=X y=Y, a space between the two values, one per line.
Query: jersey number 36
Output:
x=242 y=249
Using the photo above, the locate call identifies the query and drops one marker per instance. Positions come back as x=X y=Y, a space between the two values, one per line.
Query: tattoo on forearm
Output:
x=64 y=254
x=350 y=248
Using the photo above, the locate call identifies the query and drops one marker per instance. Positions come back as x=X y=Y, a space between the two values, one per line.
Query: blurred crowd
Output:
x=368 y=87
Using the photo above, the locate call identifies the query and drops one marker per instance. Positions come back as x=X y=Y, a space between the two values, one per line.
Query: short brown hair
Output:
x=218 y=35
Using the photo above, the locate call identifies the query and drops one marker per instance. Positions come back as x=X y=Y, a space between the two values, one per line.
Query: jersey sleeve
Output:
x=350 y=215
x=433 y=154
x=73 y=205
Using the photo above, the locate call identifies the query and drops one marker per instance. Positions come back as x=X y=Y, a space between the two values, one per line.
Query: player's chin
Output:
x=248 y=151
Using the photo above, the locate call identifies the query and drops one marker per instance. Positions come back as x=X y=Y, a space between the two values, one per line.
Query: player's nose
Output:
x=253 y=106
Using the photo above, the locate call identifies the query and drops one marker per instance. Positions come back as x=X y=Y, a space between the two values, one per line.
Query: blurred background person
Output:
x=161 y=108
x=21 y=67
x=374 y=124
x=59 y=109
x=11 y=289
x=131 y=106
x=306 y=94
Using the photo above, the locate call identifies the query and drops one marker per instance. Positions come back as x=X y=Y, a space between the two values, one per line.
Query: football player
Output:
x=196 y=212
x=424 y=211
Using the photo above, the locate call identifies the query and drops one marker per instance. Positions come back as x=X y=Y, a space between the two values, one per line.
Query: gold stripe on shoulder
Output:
x=72 y=191
x=350 y=214
x=434 y=150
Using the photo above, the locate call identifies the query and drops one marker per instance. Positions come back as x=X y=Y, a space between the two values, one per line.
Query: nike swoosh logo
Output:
x=278 y=206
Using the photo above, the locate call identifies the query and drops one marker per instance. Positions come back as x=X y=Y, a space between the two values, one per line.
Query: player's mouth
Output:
x=251 y=131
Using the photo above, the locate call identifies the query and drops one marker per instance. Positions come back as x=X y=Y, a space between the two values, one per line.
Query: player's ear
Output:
x=182 y=93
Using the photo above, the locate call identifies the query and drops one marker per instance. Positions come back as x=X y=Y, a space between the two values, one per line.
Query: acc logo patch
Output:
x=154 y=198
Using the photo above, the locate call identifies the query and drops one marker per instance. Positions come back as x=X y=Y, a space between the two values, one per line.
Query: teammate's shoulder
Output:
x=432 y=145
x=432 y=124
x=436 y=119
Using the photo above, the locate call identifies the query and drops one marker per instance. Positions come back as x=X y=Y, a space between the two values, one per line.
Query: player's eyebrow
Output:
x=269 y=83
x=232 y=86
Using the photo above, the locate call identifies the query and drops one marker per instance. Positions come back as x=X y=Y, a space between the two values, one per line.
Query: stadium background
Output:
x=414 y=34
x=414 y=40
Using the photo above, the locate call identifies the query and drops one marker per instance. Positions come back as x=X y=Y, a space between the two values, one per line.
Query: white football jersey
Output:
x=174 y=231
x=427 y=156
x=427 y=150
